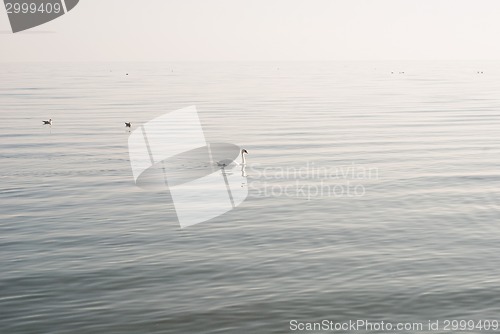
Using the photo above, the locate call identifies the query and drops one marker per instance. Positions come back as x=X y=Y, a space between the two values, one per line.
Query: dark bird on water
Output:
x=49 y=122
x=128 y=125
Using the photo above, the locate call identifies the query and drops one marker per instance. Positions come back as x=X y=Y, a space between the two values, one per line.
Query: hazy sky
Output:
x=173 y=30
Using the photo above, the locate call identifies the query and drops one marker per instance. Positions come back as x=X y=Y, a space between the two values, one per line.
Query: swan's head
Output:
x=243 y=151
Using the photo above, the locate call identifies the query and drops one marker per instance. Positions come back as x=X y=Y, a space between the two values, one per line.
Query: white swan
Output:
x=227 y=162
x=243 y=152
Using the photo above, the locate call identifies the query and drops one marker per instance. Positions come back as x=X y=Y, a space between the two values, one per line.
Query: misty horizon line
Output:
x=248 y=61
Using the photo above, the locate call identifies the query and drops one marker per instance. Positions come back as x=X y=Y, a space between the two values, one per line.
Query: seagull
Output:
x=128 y=125
x=49 y=122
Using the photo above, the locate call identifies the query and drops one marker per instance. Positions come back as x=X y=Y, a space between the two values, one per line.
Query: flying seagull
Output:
x=49 y=122
x=128 y=125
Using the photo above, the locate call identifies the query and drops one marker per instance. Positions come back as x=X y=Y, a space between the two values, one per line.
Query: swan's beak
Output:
x=245 y=151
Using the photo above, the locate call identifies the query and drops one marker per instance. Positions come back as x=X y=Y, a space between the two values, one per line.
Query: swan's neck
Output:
x=243 y=161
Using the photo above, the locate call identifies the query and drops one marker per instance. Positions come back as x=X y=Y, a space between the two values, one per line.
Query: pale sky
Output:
x=309 y=30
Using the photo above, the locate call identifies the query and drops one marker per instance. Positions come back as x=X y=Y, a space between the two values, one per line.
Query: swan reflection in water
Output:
x=243 y=171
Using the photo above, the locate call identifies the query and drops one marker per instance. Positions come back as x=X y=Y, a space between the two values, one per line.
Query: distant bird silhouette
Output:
x=49 y=122
x=128 y=125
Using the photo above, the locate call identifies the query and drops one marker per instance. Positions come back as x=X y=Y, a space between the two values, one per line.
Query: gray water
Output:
x=83 y=250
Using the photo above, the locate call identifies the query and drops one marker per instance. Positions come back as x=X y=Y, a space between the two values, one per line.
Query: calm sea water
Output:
x=83 y=250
